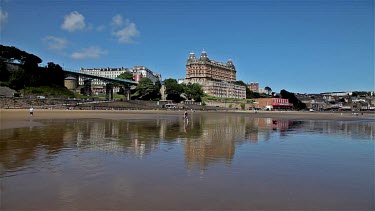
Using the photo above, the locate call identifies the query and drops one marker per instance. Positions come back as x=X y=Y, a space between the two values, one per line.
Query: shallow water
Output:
x=214 y=161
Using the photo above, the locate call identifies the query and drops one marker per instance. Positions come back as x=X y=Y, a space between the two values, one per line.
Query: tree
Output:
x=126 y=76
x=242 y=106
x=193 y=91
x=50 y=75
x=157 y=94
x=241 y=83
x=54 y=73
x=361 y=94
x=292 y=99
x=11 y=54
x=27 y=73
x=173 y=89
x=17 y=79
x=146 y=90
x=268 y=89
x=4 y=72
x=254 y=94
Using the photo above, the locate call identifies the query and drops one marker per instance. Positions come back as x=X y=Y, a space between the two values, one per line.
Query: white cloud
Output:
x=91 y=27
x=55 y=43
x=73 y=21
x=124 y=31
x=117 y=20
x=100 y=28
x=3 y=18
x=89 y=53
x=127 y=33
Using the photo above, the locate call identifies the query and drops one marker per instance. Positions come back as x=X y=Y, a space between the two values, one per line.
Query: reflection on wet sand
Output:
x=243 y=163
x=205 y=140
x=215 y=143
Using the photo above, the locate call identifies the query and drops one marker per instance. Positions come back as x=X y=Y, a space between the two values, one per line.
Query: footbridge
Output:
x=110 y=82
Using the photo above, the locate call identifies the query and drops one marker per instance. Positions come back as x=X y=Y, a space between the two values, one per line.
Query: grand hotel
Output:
x=216 y=78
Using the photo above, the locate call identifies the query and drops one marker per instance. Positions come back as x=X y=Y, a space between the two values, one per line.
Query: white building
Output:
x=98 y=86
x=101 y=72
x=181 y=81
x=140 y=72
x=223 y=89
x=262 y=91
x=336 y=94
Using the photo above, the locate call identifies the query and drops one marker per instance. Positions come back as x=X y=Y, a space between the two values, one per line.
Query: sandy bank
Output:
x=14 y=118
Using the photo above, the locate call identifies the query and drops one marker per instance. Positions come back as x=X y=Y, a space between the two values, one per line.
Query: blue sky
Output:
x=302 y=46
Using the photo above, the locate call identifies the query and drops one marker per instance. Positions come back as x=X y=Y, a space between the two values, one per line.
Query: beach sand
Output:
x=16 y=118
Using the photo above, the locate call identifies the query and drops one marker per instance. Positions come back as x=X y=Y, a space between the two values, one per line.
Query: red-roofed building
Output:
x=273 y=103
x=280 y=103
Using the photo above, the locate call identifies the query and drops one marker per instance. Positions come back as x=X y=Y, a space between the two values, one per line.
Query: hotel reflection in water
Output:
x=205 y=139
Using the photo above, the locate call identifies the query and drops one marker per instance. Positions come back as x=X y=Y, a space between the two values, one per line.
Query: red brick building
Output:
x=272 y=103
x=253 y=86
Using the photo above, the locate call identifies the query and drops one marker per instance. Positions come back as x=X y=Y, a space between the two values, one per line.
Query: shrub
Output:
x=242 y=106
x=48 y=91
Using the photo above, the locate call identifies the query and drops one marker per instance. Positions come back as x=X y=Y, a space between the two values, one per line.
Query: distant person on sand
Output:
x=185 y=115
x=31 y=111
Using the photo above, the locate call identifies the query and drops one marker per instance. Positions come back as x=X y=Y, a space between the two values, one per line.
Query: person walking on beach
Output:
x=185 y=115
x=186 y=119
x=31 y=111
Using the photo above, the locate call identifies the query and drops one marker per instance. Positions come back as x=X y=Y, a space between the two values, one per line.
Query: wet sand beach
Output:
x=16 y=118
x=154 y=160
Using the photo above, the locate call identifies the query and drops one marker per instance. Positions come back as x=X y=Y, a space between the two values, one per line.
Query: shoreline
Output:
x=18 y=118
